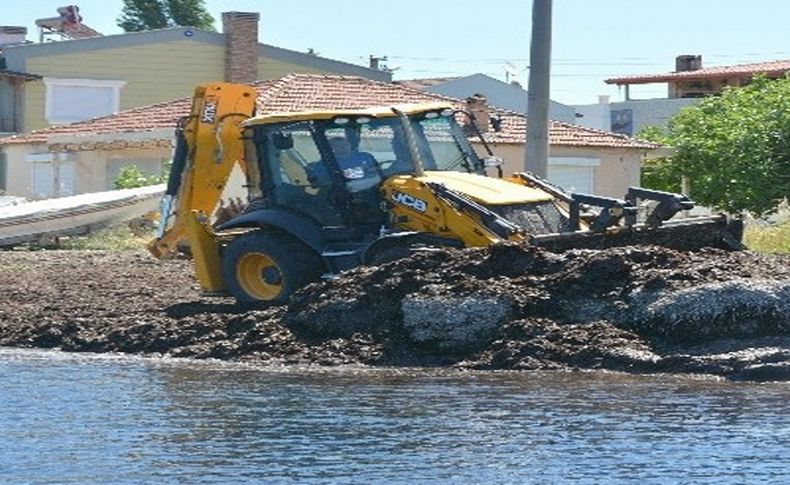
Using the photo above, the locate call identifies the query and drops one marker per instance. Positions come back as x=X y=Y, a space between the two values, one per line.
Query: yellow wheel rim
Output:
x=259 y=276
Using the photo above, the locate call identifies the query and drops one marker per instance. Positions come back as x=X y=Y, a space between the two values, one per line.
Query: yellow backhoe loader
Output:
x=332 y=190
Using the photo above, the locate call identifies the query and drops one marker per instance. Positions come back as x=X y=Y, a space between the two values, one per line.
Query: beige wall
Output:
x=90 y=167
x=153 y=73
x=100 y=166
x=18 y=177
x=618 y=170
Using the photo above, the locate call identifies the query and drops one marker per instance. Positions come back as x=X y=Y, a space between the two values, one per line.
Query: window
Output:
x=43 y=180
x=52 y=175
x=574 y=174
x=70 y=100
x=295 y=176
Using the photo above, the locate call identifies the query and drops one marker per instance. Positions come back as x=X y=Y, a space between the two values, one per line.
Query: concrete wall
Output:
x=628 y=117
x=618 y=168
x=17 y=171
x=105 y=164
x=90 y=167
x=499 y=94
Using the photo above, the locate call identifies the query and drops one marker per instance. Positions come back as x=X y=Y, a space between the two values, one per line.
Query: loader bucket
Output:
x=691 y=234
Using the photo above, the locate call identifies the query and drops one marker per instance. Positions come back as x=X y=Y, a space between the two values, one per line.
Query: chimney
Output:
x=12 y=35
x=241 y=46
x=688 y=63
x=478 y=106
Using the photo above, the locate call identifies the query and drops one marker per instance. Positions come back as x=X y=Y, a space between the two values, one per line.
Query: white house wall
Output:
x=641 y=113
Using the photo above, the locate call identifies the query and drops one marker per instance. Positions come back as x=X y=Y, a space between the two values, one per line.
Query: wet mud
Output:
x=638 y=309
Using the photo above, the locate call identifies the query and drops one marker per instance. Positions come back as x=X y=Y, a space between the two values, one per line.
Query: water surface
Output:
x=78 y=418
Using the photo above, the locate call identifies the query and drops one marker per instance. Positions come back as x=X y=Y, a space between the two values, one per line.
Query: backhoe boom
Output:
x=208 y=146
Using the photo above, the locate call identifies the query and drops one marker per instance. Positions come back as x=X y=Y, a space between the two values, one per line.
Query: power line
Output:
x=615 y=61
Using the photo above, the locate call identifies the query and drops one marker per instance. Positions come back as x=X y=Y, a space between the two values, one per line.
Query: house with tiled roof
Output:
x=581 y=159
x=57 y=83
x=691 y=80
x=509 y=96
x=686 y=85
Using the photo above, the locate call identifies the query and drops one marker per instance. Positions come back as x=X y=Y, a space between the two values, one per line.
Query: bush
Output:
x=132 y=177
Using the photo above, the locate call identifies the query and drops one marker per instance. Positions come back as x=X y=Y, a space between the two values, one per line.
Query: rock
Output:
x=737 y=308
x=455 y=324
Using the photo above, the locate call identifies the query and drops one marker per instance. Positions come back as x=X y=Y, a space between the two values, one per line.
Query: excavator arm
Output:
x=208 y=146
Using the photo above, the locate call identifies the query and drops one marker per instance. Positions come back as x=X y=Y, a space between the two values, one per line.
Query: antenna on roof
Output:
x=510 y=71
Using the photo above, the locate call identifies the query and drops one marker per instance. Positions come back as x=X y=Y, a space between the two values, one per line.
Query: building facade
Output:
x=686 y=86
x=75 y=80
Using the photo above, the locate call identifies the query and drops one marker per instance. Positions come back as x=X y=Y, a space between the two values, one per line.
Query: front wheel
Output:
x=263 y=266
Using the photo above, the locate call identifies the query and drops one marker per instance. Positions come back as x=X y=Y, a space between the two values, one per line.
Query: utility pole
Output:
x=536 y=154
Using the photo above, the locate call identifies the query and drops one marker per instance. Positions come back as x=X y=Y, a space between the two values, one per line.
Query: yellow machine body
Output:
x=418 y=208
x=277 y=245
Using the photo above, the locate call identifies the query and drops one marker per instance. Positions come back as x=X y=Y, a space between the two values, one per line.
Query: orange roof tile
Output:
x=302 y=92
x=771 y=69
x=146 y=118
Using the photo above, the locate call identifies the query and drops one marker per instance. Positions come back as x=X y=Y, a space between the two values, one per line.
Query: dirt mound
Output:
x=637 y=309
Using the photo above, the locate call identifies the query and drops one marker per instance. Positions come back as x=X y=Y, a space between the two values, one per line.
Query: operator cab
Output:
x=329 y=166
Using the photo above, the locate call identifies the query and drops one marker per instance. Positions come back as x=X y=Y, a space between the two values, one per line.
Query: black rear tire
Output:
x=265 y=266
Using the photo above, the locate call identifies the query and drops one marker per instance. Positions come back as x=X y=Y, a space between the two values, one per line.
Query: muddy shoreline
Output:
x=632 y=309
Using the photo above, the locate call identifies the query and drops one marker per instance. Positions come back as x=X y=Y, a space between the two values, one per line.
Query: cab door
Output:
x=296 y=178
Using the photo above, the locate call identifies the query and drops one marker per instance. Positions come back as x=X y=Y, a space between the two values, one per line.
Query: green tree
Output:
x=138 y=15
x=190 y=12
x=734 y=148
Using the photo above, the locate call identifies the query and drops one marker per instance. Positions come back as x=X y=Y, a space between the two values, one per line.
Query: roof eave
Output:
x=25 y=76
x=668 y=78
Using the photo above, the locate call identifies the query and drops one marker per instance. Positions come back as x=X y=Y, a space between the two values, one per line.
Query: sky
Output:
x=592 y=39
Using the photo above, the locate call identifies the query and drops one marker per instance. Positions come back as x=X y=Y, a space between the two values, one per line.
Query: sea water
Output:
x=80 y=418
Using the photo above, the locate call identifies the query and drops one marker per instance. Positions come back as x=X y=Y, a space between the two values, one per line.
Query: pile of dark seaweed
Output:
x=641 y=309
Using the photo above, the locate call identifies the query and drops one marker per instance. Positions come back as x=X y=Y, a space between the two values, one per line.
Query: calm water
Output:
x=68 y=418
